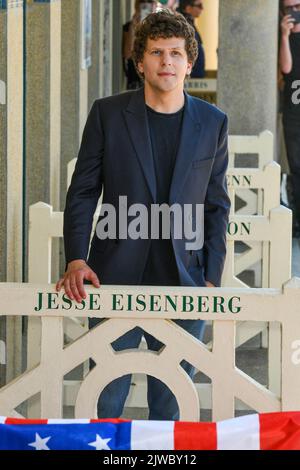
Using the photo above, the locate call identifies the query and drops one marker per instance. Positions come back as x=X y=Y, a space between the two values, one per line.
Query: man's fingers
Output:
x=288 y=19
x=59 y=284
x=68 y=289
x=80 y=286
x=73 y=287
x=93 y=278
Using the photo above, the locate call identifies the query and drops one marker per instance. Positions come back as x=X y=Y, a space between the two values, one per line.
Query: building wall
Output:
x=208 y=25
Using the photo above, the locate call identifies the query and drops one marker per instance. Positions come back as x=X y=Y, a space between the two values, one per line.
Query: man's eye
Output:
x=176 y=53
x=155 y=52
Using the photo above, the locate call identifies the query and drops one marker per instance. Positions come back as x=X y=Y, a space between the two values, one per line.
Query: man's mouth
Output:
x=166 y=74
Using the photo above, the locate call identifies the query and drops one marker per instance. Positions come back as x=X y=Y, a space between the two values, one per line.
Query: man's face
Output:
x=195 y=10
x=291 y=6
x=147 y=7
x=290 y=3
x=165 y=63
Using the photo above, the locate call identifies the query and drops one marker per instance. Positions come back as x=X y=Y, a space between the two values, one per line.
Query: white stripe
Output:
x=239 y=433
x=152 y=435
x=2 y=419
x=69 y=421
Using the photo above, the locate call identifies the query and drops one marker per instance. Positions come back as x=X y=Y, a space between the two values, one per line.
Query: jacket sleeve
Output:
x=85 y=189
x=216 y=212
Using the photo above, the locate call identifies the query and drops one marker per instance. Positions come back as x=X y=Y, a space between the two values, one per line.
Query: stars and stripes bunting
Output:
x=271 y=431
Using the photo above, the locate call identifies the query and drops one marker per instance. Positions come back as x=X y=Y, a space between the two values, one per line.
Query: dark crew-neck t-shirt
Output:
x=288 y=106
x=165 y=131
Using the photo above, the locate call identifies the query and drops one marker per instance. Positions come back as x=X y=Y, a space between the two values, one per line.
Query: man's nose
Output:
x=166 y=58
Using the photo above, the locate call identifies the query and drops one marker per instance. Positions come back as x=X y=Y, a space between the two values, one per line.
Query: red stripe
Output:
x=195 y=436
x=45 y=421
x=110 y=420
x=25 y=421
x=280 y=431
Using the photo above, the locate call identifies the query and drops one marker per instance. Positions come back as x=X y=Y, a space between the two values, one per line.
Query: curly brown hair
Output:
x=163 y=24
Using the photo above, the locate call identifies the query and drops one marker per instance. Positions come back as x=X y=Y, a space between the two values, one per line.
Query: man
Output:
x=154 y=145
x=289 y=60
x=141 y=7
x=192 y=9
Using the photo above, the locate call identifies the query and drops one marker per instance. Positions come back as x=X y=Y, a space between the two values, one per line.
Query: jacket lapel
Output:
x=138 y=129
x=188 y=146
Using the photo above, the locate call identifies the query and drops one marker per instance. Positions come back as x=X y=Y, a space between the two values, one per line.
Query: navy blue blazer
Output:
x=115 y=157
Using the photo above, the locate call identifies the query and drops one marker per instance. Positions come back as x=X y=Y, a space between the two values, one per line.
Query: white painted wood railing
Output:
x=47 y=224
x=228 y=382
x=272 y=230
x=261 y=145
x=264 y=227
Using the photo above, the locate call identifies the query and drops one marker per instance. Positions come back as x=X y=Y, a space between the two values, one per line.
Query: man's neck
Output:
x=164 y=102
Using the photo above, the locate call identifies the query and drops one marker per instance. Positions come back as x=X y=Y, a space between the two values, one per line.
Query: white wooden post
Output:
x=224 y=350
x=43 y=225
x=291 y=348
x=267 y=179
x=228 y=382
x=52 y=385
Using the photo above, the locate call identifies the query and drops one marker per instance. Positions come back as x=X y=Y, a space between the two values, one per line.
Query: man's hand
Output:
x=287 y=24
x=73 y=279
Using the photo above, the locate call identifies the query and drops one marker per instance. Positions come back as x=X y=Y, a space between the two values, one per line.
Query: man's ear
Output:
x=140 y=67
x=189 y=68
